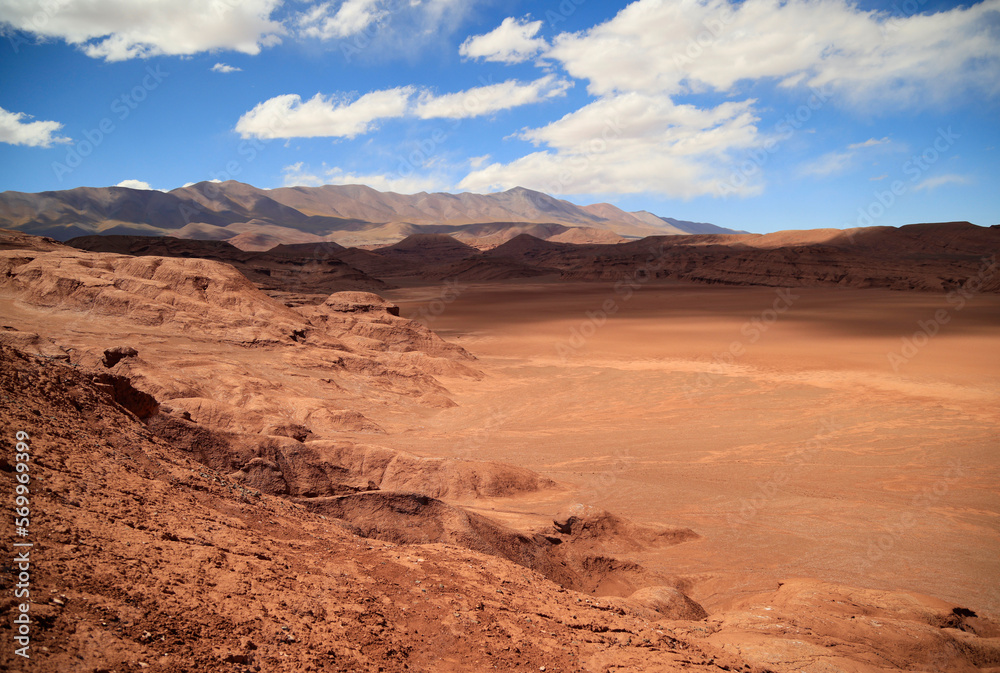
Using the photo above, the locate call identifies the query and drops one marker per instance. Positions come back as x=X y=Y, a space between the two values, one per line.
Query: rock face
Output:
x=16 y=240
x=113 y=356
x=312 y=268
x=669 y=602
x=179 y=294
x=359 y=302
x=231 y=367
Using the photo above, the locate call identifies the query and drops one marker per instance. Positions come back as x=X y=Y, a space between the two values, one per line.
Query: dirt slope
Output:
x=146 y=560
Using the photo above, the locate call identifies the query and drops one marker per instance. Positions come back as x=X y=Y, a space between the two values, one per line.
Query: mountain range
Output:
x=352 y=215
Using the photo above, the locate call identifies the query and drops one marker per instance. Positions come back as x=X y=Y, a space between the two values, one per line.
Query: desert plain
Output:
x=813 y=452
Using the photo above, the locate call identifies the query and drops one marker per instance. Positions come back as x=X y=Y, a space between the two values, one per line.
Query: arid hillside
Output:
x=227 y=478
x=258 y=219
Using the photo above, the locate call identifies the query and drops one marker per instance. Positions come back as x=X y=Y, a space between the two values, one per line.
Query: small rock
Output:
x=113 y=356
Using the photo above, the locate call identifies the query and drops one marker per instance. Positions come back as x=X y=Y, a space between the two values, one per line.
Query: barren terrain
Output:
x=236 y=473
x=806 y=455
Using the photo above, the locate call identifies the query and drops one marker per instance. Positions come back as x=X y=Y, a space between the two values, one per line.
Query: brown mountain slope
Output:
x=427 y=249
x=932 y=257
x=350 y=214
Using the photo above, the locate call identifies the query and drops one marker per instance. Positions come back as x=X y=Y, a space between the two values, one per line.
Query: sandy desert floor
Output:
x=803 y=452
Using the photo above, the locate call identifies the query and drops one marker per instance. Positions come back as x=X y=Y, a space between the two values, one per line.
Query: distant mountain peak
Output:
x=347 y=214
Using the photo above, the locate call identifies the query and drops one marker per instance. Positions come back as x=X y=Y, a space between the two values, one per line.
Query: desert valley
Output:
x=333 y=429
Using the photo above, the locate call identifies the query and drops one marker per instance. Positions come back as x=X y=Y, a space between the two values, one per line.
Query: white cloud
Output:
x=879 y=177
x=651 y=52
x=352 y=17
x=476 y=162
x=940 y=181
x=871 y=142
x=631 y=143
x=287 y=116
x=15 y=130
x=298 y=175
x=828 y=164
x=513 y=41
x=225 y=69
x=698 y=45
x=491 y=98
x=385 y=182
x=832 y=163
x=134 y=184
x=116 y=30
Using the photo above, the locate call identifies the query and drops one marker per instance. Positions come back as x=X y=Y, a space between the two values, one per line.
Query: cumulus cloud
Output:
x=630 y=143
x=513 y=41
x=117 y=30
x=638 y=63
x=134 y=184
x=350 y=18
x=299 y=175
x=225 y=69
x=287 y=116
x=16 y=130
x=491 y=98
x=701 y=45
x=940 y=181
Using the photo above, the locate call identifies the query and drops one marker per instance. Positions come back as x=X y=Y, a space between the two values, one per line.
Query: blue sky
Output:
x=755 y=115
